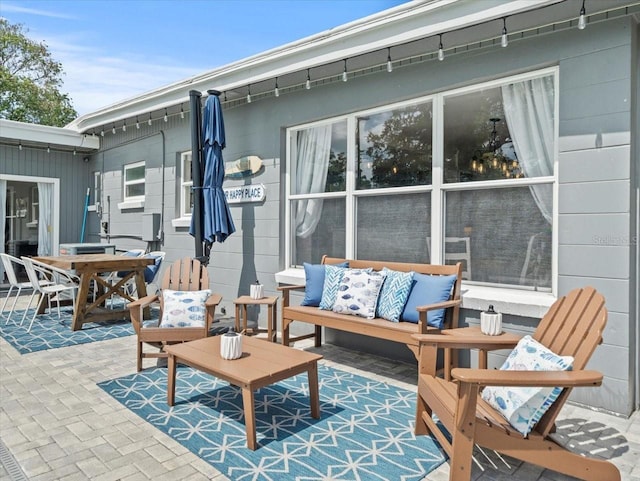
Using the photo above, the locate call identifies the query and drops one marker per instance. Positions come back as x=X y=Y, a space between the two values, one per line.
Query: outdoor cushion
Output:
x=428 y=290
x=332 y=278
x=524 y=406
x=314 y=283
x=150 y=270
x=394 y=294
x=184 y=308
x=358 y=293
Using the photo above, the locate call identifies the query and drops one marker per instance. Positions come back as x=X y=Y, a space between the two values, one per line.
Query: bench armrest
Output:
x=494 y=377
x=438 y=305
x=285 y=292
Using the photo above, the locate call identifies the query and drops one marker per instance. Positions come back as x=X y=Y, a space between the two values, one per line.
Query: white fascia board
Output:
x=402 y=24
x=45 y=134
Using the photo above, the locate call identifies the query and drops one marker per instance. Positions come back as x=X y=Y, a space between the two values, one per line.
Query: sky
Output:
x=112 y=50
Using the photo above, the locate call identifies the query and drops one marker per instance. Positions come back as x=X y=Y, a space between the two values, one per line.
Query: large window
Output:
x=134 y=181
x=465 y=175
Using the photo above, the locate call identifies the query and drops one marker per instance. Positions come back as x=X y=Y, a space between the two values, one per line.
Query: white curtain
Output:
x=45 y=219
x=312 y=164
x=528 y=108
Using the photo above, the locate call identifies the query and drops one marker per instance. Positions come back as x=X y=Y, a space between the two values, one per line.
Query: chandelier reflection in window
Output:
x=497 y=160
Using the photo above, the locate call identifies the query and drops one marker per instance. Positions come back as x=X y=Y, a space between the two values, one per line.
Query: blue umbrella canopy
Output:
x=216 y=221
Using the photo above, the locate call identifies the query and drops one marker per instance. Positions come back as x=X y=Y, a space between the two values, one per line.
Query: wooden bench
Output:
x=378 y=327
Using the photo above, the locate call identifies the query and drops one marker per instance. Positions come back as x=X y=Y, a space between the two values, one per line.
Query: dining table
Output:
x=90 y=268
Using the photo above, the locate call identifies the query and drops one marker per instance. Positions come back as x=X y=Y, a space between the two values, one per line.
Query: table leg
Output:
x=244 y=317
x=249 y=416
x=314 y=395
x=482 y=359
x=237 y=320
x=81 y=301
x=171 y=380
x=141 y=291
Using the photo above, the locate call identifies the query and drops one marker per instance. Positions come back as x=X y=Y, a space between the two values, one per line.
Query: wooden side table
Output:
x=241 y=315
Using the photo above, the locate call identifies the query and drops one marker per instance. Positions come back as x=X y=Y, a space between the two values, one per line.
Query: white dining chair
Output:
x=62 y=281
x=10 y=263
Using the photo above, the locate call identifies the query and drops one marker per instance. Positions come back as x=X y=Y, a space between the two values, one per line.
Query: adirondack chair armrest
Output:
x=286 y=290
x=495 y=377
x=213 y=300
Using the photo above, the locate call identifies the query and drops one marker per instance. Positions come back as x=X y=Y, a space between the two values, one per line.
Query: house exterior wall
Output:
x=596 y=209
x=74 y=175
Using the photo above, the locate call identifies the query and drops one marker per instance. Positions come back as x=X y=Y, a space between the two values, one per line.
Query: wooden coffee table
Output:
x=262 y=363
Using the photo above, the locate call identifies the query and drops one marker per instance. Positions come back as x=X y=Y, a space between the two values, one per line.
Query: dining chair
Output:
x=10 y=262
x=61 y=281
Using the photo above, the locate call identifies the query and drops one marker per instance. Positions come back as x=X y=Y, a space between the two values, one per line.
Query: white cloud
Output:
x=94 y=80
x=9 y=8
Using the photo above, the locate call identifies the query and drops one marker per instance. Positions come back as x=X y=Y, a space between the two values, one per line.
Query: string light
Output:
x=389 y=64
x=181 y=112
x=440 y=50
x=20 y=145
x=307 y=84
x=124 y=127
x=505 y=40
x=48 y=149
x=149 y=121
x=249 y=93
x=276 y=91
x=225 y=95
x=74 y=152
x=113 y=129
x=137 y=123
x=344 y=73
x=582 y=21
x=102 y=132
x=166 y=118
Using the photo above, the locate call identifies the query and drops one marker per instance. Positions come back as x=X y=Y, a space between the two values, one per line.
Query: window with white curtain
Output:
x=134 y=181
x=469 y=172
x=186 y=184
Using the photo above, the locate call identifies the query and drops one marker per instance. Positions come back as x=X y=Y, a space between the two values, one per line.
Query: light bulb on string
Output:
x=276 y=91
x=181 y=112
x=504 y=41
x=582 y=20
x=344 y=73
x=307 y=84
x=137 y=123
x=166 y=117
x=248 y=94
x=440 y=50
x=124 y=127
x=389 y=63
x=113 y=129
x=149 y=121
x=102 y=133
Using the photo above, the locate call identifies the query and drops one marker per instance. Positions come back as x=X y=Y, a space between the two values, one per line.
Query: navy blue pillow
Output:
x=151 y=269
x=428 y=290
x=314 y=275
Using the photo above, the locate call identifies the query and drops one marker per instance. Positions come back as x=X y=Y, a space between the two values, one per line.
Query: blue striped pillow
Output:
x=394 y=294
x=332 y=279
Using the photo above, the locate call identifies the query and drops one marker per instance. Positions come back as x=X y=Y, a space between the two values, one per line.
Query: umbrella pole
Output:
x=196 y=169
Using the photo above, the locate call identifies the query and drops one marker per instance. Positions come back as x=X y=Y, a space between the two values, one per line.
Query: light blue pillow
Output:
x=358 y=293
x=184 y=308
x=428 y=290
x=524 y=406
x=332 y=279
x=394 y=294
x=314 y=283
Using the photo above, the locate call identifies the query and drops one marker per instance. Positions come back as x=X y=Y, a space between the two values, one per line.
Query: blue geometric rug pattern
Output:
x=365 y=431
x=49 y=332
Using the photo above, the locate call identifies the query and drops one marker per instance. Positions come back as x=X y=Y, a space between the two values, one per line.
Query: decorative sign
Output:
x=245 y=193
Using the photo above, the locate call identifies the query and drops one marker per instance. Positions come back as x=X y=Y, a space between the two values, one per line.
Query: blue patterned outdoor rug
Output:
x=49 y=332
x=365 y=431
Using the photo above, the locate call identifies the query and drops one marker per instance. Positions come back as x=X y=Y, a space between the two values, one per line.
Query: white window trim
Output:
x=184 y=219
x=137 y=198
x=515 y=301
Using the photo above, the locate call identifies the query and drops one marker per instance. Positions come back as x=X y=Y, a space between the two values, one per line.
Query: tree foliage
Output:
x=30 y=80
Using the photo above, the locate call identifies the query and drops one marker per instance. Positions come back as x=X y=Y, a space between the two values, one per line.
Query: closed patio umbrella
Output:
x=211 y=216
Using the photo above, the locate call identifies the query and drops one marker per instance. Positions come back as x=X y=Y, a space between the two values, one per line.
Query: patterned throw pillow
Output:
x=394 y=294
x=358 y=293
x=184 y=308
x=332 y=278
x=524 y=406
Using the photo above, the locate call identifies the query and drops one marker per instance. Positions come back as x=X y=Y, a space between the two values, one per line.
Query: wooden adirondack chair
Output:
x=573 y=326
x=183 y=275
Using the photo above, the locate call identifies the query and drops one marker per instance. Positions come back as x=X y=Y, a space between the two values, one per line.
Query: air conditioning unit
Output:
x=77 y=249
